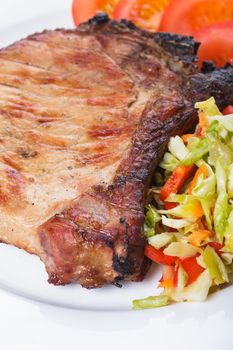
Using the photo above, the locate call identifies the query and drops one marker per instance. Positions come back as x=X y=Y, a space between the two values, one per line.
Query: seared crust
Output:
x=110 y=96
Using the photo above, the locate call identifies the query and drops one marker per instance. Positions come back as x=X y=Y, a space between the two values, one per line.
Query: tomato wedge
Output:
x=216 y=43
x=145 y=14
x=187 y=16
x=158 y=256
x=83 y=10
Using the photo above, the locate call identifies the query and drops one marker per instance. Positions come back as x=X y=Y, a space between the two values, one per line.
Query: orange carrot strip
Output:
x=186 y=137
x=169 y=283
x=200 y=171
x=197 y=211
x=203 y=124
x=197 y=237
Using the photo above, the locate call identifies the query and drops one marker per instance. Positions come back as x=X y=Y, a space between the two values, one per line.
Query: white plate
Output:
x=35 y=315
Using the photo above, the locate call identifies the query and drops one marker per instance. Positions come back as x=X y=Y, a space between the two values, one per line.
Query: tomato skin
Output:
x=83 y=10
x=158 y=256
x=228 y=110
x=187 y=16
x=216 y=43
x=192 y=268
x=123 y=9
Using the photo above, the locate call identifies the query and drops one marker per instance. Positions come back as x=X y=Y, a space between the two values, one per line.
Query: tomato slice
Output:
x=216 y=43
x=158 y=256
x=145 y=14
x=83 y=10
x=187 y=16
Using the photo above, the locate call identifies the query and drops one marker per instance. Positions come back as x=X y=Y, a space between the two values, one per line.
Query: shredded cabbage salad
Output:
x=189 y=221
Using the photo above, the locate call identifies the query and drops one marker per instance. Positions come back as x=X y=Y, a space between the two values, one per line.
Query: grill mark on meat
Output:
x=15 y=180
x=40 y=138
x=11 y=162
x=86 y=120
x=108 y=131
x=65 y=83
x=14 y=113
x=23 y=64
x=95 y=158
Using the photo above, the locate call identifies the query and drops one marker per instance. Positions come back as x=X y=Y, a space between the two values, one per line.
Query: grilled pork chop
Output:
x=85 y=116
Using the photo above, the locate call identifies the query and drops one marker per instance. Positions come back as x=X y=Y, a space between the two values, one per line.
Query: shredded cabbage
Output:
x=148 y=231
x=197 y=291
x=182 y=278
x=174 y=223
x=221 y=211
x=152 y=216
x=221 y=177
x=161 y=240
x=186 y=211
x=177 y=148
x=201 y=148
x=205 y=187
x=169 y=162
x=207 y=206
x=150 y=302
x=230 y=181
x=151 y=219
x=226 y=121
x=199 y=215
x=181 y=250
x=228 y=234
x=218 y=150
x=209 y=107
x=215 y=266
x=178 y=198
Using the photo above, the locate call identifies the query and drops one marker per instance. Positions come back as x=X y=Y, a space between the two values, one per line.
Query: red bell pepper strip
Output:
x=202 y=125
x=158 y=256
x=200 y=171
x=228 y=109
x=217 y=246
x=169 y=205
x=192 y=268
x=176 y=181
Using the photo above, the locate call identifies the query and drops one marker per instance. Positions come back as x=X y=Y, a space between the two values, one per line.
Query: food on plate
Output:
x=189 y=225
x=86 y=114
x=145 y=14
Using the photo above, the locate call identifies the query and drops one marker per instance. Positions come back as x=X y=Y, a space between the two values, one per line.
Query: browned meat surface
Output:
x=85 y=115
